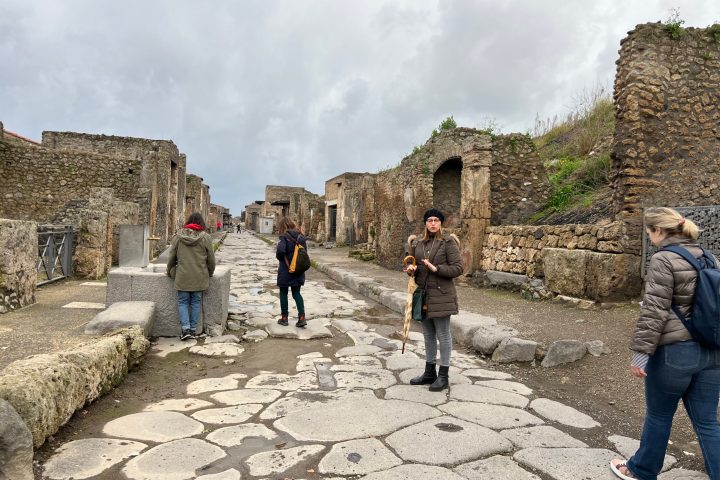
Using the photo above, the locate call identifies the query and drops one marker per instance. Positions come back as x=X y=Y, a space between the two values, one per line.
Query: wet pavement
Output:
x=339 y=408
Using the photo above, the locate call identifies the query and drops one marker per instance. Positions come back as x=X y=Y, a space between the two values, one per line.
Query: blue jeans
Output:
x=687 y=371
x=189 y=305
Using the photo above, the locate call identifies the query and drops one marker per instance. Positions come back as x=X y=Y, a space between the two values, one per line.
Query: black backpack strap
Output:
x=688 y=257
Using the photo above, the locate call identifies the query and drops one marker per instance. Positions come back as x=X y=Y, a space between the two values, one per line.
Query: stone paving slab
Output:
x=298 y=401
x=308 y=364
x=416 y=393
x=164 y=346
x=230 y=474
x=312 y=330
x=541 y=436
x=278 y=461
x=682 y=474
x=227 y=415
x=281 y=381
x=498 y=467
x=176 y=460
x=446 y=441
x=229 y=382
x=455 y=378
x=217 y=350
x=627 y=447
x=365 y=378
x=254 y=395
x=357 y=350
x=483 y=394
x=153 y=426
x=404 y=361
x=569 y=463
x=414 y=472
x=560 y=413
x=89 y=457
x=514 y=387
x=484 y=373
x=358 y=457
x=361 y=360
x=345 y=325
x=497 y=417
x=348 y=419
x=235 y=436
x=178 y=405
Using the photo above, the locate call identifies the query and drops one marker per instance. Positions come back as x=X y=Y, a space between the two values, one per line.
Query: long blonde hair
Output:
x=671 y=221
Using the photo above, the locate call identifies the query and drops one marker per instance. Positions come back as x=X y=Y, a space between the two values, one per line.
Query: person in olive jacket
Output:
x=673 y=365
x=438 y=263
x=191 y=264
x=289 y=236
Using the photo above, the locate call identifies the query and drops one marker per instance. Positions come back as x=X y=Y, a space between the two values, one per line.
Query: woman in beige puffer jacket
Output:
x=673 y=365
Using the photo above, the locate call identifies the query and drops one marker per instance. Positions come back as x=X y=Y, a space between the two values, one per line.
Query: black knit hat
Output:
x=433 y=212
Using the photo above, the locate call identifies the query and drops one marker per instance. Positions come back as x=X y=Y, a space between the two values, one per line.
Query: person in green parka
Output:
x=191 y=264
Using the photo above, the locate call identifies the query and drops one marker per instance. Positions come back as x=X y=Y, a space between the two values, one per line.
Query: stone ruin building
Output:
x=665 y=153
x=94 y=183
x=304 y=207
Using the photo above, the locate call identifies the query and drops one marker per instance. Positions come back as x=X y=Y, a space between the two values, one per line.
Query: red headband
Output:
x=681 y=221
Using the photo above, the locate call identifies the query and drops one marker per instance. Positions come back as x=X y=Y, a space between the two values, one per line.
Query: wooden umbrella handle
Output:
x=409 y=259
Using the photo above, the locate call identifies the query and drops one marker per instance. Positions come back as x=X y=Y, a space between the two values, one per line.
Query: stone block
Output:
x=119 y=286
x=134 y=249
x=611 y=277
x=565 y=270
x=215 y=301
x=515 y=350
x=159 y=289
x=464 y=324
x=16 y=445
x=505 y=280
x=486 y=338
x=564 y=351
x=121 y=315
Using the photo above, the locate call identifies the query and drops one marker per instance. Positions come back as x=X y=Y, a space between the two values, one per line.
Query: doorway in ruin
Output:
x=332 y=223
x=447 y=190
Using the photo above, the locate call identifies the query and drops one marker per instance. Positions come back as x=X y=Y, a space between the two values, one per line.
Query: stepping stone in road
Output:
x=275 y=462
x=217 y=350
x=351 y=419
x=498 y=467
x=248 y=395
x=560 y=413
x=542 y=436
x=497 y=417
x=483 y=394
x=414 y=472
x=89 y=457
x=153 y=426
x=177 y=405
x=358 y=457
x=177 y=460
x=229 y=382
x=221 y=416
x=357 y=350
x=361 y=360
x=345 y=325
x=446 y=441
x=234 y=436
x=569 y=463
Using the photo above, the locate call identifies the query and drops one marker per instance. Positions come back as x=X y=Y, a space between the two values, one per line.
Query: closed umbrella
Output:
x=412 y=286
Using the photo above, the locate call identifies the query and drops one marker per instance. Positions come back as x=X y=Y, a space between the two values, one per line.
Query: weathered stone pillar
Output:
x=475 y=198
x=18 y=255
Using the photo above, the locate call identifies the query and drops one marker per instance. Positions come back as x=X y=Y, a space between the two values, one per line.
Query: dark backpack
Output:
x=300 y=262
x=703 y=323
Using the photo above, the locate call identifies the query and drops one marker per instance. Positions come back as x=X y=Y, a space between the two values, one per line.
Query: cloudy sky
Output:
x=294 y=92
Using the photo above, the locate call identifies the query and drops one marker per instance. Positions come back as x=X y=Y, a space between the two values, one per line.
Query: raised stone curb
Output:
x=122 y=315
x=515 y=350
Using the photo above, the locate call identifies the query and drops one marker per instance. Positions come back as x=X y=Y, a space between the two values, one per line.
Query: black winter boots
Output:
x=442 y=381
x=301 y=321
x=283 y=320
x=426 y=378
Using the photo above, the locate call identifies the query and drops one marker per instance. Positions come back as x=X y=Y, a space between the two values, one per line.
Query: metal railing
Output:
x=55 y=250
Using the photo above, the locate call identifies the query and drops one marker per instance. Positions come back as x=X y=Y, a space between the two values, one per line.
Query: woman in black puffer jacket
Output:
x=289 y=236
x=673 y=365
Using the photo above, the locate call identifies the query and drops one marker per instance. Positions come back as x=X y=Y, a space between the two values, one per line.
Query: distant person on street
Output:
x=438 y=262
x=191 y=264
x=673 y=364
x=289 y=236
x=218 y=225
x=239 y=230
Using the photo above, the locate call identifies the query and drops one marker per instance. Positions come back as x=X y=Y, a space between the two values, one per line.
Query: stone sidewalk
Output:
x=347 y=415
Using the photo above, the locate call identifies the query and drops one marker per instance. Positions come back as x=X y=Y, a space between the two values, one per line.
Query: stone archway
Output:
x=447 y=190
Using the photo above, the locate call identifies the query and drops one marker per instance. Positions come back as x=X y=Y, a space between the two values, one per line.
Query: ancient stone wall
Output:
x=667 y=134
x=35 y=181
x=352 y=194
x=193 y=195
x=159 y=158
x=18 y=255
x=518 y=181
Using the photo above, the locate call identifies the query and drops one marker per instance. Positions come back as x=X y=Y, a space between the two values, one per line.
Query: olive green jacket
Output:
x=441 y=296
x=192 y=260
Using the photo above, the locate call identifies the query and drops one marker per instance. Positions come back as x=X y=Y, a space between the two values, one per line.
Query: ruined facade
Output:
x=667 y=134
x=96 y=183
x=350 y=208
x=252 y=214
x=197 y=197
x=302 y=206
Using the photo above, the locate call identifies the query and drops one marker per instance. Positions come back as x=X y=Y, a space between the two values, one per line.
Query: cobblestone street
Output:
x=345 y=409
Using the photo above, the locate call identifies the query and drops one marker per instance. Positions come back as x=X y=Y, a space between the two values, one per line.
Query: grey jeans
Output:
x=434 y=330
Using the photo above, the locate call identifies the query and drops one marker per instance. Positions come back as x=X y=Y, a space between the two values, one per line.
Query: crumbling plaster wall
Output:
x=667 y=133
x=18 y=255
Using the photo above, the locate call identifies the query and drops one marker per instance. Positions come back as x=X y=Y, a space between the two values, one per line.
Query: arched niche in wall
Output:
x=447 y=190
